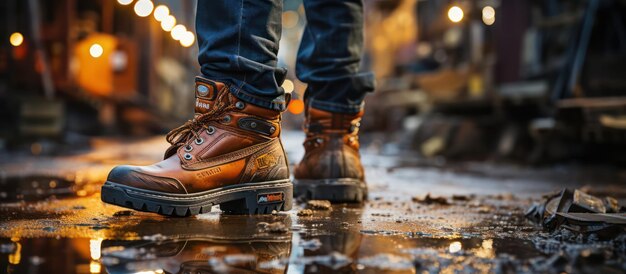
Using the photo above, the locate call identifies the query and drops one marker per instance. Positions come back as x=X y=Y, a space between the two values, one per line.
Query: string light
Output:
x=187 y=39
x=455 y=14
x=489 y=15
x=288 y=86
x=178 y=32
x=96 y=50
x=168 y=23
x=144 y=8
x=161 y=12
x=16 y=39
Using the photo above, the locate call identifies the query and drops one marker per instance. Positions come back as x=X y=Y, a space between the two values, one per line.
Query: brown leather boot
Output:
x=331 y=167
x=230 y=154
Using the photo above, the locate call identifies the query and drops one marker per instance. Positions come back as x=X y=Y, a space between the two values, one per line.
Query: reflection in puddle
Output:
x=283 y=243
x=198 y=255
x=346 y=251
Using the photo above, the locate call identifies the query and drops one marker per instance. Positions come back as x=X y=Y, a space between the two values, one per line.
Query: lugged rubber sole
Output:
x=250 y=198
x=343 y=190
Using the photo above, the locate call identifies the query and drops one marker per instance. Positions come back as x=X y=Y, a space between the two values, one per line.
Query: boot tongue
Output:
x=206 y=94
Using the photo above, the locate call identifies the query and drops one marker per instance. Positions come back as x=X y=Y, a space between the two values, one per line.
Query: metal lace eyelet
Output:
x=226 y=119
x=188 y=148
x=210 y=130
x=199 y=141
x=253 y=125
x=272 y=130
x=188 y=156
x=240 y=105
x=319 y=140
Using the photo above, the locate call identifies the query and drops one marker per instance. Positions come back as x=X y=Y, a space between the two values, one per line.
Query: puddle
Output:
x=330 y=241
x=341 y=253
x=40 y=187
x=47 y=225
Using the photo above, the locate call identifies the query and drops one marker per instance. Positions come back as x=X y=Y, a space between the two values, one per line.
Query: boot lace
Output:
x=191 y=128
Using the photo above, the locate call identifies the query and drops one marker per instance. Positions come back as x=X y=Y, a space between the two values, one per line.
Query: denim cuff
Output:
x=238 y=89
x=335 y=107
x=341 y=94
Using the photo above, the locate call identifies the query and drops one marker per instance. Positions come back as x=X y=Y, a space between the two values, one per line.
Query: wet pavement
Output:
x=52 y=221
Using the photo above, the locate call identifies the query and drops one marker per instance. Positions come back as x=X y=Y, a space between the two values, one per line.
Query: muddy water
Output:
x=385 y=235
x=56 y=224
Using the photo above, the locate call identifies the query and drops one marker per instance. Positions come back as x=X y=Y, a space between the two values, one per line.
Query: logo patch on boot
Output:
x=270 y=198
x=266 y=160
x=202 y=105
x=208 y=172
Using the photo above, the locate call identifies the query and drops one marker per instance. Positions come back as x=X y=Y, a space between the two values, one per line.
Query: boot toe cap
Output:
x=131 y=176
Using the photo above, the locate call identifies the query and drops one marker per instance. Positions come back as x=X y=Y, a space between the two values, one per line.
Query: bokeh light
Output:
x=489 y=15
x=124 y=2
x=16 y=39
x=96 y=50
x=288 y=86
x=188 y=39
x=144 y=8
x=178 y=32
x=290 y=19
x=168 y=23
x=455 y=14
x=161 y=12
x=296 y=106
x=455 y=247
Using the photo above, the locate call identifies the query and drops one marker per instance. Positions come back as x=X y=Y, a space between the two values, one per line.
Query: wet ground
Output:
x=52 y=221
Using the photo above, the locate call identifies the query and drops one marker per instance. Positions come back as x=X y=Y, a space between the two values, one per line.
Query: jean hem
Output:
x=236 y=88
x=335 y=107
x=264 y=103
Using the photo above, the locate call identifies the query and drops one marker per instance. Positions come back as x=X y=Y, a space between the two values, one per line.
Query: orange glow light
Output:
x=296 y=106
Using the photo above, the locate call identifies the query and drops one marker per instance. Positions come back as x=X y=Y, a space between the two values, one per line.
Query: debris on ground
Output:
x=318 y=205
x=580 y=212
x=386 y=261
x=275 y=227
x=305 y=212
x=485 y=209
x=569 y=251
x=312 y=244
x=239 y=259
x=154 y=238
x=457 y=197
x=123 y=213
x=429 y=200
x=334 y=260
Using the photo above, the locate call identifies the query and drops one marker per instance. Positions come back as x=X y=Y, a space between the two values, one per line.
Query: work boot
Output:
x=230 y=155
x=331 y=167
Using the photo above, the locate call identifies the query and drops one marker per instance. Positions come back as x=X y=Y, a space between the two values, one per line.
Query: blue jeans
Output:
x=238 y=42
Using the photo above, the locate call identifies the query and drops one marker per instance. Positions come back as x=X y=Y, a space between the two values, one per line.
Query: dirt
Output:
x=305 y=212
x=319 y=205
x=472 y=221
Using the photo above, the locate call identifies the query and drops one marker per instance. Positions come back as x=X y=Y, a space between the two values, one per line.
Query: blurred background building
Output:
x=536 y=81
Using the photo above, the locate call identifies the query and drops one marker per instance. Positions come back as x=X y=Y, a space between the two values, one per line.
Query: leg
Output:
x=328 y=62
x=238 y=42
x=230 y=154
x=330 y=55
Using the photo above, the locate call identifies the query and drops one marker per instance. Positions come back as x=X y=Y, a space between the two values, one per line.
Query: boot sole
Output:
x=250 y=198
x=343 y=190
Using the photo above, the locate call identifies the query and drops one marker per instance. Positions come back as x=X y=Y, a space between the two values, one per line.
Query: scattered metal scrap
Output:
x=431 y=200
x=305 y=212
x=318 y=205
x=580 y=212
